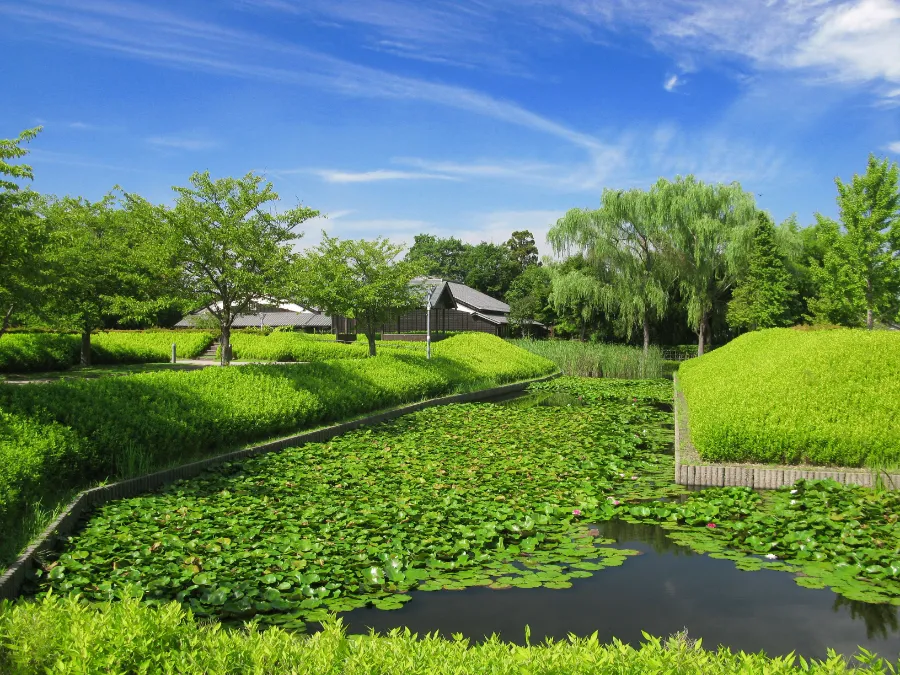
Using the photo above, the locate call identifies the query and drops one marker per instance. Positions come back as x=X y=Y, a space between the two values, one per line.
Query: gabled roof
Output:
x=272 y=319
x=477 y=300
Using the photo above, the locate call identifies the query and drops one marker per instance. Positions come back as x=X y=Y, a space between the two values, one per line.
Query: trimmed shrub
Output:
x=67 y=636
x=826 y=397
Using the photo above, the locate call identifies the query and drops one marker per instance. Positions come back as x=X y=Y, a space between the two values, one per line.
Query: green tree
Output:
x=522 y=249
x=22 y=234
x=838 y=287
x=439 y=257
x=529 y=299
x=490 y=268
x=624 y=241
x=230 y=245
x=359 y=279
x=763 y=295
x=98 y=266
x=577 y=296
x=708 y=233
x=867 y=254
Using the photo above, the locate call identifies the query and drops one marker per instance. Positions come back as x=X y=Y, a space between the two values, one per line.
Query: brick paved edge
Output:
x=13 y=578
x=692 y=471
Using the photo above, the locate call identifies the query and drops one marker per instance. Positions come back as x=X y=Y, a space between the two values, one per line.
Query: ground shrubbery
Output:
x=586 y=359
x=33 y=352
x=68 y=637
x=284 y=346
x=829 y=397
x=61 y=436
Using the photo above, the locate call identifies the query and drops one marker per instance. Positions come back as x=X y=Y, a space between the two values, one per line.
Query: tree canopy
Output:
x=358 y=279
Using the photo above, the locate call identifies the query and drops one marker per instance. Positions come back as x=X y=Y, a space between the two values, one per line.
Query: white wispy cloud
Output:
x=334 y=176
x=894 y=147
x=192 y=144
x=672 y=82
x=173 y=40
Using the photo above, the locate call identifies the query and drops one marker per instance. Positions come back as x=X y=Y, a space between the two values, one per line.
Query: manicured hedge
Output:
x=828 y=397
x=65 y=435
x=61 y=635
x=31 y=352
x=283 y=346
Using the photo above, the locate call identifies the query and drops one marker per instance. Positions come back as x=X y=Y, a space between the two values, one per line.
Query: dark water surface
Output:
x=665 y=590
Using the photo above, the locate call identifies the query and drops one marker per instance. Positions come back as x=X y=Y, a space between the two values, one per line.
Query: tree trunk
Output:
x=86 y=348
x=870 y=319
x=702 y=335
x=225 y=346
x=6 y=318
x=870 y=315
x=370 y=334
x=646 y=337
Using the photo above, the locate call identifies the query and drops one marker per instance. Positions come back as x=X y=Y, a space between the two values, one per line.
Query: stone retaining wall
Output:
x=691 y=470
x=12 y=580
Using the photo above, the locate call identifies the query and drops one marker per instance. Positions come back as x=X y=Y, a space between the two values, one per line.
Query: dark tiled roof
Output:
x=476 y=299
x=270 y=319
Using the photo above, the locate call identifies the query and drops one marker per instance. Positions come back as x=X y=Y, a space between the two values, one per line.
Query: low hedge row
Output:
x=283 y=346
x=32 y=352
x=785 y=396
x=66 y=435
x=64 y=636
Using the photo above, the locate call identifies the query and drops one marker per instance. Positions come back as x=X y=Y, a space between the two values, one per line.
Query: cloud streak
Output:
x=378 y=175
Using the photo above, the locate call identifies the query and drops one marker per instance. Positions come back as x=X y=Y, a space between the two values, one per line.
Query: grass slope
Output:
x=828 y=397
x=30 y=352
x=62 y=436
x=68 y=637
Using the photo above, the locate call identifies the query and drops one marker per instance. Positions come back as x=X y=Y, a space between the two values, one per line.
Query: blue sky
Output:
x=456 y=117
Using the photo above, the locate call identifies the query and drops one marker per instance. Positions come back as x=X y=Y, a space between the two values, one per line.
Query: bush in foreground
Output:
x=67 y=637
x=586 y=359
x=63 y=436
x=829 y=397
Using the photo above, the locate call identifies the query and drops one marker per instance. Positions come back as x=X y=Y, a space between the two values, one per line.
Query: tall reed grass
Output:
x=586 y=359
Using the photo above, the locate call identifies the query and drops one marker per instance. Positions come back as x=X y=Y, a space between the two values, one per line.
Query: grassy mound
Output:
x=32 y=352
x=58 y=437
x=279 y=346
x=65 y=636
x=829 y=397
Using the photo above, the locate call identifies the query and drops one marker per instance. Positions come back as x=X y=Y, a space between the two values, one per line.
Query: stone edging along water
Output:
x=691 y=470
x=12 y=580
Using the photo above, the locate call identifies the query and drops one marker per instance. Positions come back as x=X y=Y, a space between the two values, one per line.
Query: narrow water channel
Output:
x=665 y=590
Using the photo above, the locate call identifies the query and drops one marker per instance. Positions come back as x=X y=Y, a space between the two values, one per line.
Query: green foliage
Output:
x=789 y=396
x=839 y=290
x=121 y=426
x=862 y=266
x=229 y=245
x=625 y=243
x=597 y=359
x=33 y=352
x=708 y=234
x=439 y=257
x=841 y=536
x=529 y=299
x=359 y=279
x=282 y=346
x=522 y=249
x=65 y=636
x=22 y=234
x=490 y=268
x=762 y=298
x=450 y=497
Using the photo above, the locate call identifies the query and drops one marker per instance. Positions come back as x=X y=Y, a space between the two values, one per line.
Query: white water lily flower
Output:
x=794 y=491
x=793 y=501
x=771 y=556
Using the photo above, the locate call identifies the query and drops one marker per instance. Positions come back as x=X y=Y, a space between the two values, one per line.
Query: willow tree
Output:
x=624 y=240
x=708 y=232
x=579 y=293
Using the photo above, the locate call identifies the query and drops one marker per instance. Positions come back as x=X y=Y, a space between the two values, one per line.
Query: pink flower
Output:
x=576 y=512
x=613 y=501
x=711 y=525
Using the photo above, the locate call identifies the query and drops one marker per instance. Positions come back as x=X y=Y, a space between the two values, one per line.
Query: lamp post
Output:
x=428 y=328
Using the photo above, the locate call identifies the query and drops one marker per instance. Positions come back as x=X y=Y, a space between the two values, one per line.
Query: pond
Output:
x=666 y=589
x=547 y=510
